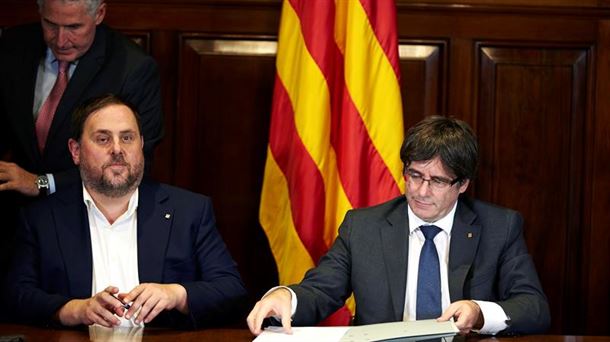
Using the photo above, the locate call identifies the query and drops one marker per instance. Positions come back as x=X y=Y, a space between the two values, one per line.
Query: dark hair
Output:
x=92 y=105
x=450 y=139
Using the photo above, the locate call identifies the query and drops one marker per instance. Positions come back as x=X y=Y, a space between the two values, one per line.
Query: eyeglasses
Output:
x=436 y=183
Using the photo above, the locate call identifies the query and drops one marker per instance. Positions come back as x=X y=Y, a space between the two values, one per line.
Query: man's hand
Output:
x=150 y=299
x=99 y=309
x=467 y=315
x=276 y=303
x=13 y=177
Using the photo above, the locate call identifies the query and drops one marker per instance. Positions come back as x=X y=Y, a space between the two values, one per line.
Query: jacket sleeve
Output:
x=27 y=300
x=325 y=288
x=218 y=294
x=521 y=295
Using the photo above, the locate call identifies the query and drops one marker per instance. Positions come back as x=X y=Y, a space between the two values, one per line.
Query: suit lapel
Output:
x=72 y=224
x=465 y=236
x=88 y=66
x=394 y=239
x=155 y=218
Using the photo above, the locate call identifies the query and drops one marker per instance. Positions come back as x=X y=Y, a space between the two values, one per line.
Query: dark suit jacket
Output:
x=177 y=243
x=369 y=257
x=113 y=64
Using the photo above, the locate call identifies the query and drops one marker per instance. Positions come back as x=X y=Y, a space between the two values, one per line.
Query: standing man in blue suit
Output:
x=431 y=254
x=99 y=61
x=114 y=250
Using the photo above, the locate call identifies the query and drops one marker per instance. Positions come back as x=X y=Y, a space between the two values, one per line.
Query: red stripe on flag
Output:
x=305 y=183
x=363 y=173
x=382 y=16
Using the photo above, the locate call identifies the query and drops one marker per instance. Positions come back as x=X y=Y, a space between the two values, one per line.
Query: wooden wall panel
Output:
x=221 y=145
x=531 y=120
x=597 y=231
x=423 y=68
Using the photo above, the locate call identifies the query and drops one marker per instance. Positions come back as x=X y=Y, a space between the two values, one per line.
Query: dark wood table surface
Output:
x=29 y=333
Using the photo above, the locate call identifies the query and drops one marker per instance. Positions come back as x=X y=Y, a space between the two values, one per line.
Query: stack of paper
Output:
x=403 y=331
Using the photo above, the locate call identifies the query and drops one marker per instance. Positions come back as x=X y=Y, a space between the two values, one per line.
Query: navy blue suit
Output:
x=488 y=260
x=177 y=243
x=113 y=64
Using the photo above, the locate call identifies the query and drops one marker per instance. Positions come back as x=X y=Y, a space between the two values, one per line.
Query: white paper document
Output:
x=302 y=334
x=401 y=331
x=405 y=331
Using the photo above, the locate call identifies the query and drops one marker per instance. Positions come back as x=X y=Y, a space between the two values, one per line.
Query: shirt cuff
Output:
x=494 y=317
x=293 y=299
x=51 y=183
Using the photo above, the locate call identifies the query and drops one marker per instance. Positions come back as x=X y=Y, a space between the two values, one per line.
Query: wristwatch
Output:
x=42 y=182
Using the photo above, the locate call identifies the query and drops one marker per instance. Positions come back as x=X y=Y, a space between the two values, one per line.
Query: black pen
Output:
x=125 y=306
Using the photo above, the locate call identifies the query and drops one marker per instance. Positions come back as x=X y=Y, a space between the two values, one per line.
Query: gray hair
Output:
x=90 y=5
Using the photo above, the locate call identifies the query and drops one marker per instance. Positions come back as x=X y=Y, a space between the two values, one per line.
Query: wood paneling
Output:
x=597 y=232
x=221 y=145
x=423 y=67
x=531 y=119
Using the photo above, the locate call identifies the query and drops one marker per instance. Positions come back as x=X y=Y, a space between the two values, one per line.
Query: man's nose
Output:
x=62 y=36
x=424 y=188
x=116 y=146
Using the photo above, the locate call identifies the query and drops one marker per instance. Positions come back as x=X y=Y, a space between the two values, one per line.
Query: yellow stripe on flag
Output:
x=309 y=95
x=305 y=85
x=275 y=216
x=374 y=88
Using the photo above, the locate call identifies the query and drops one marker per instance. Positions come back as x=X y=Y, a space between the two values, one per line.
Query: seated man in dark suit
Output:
x=114 y=250
x=431 y=254
x=37 y=98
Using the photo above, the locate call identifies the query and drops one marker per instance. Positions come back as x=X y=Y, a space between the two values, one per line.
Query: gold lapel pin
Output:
x=167 y=216
x=469 y=234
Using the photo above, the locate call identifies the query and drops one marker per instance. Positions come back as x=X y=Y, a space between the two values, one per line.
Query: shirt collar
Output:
x=131 y=207
x=445 y=223
x=50 y=61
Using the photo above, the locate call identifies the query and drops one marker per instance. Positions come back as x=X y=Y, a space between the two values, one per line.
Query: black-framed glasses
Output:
x=436 y=183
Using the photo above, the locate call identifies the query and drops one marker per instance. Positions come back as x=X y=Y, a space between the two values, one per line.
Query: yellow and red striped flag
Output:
x=336 y=127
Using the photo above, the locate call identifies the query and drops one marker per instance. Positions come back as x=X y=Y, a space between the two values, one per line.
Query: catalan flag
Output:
x=336 y=126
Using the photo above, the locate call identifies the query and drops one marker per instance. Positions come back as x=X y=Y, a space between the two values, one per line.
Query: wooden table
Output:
x=237 y=335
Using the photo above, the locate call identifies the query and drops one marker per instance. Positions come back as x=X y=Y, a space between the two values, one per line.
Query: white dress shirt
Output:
x=114 y=248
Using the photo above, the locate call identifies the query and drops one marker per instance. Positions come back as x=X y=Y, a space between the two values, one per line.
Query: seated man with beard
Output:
x=115 y=250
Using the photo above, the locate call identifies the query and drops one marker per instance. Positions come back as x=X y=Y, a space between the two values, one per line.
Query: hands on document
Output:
x=467 y=315
x=276 y=303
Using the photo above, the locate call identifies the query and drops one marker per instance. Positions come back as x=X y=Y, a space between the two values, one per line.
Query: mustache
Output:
x=116 y=159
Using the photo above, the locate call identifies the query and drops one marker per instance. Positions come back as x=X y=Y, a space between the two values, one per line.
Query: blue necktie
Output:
x=429 y=277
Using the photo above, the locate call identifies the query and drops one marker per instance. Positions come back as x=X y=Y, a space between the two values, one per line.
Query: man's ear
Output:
x=74 y=148
x=100 y=13
x=464 y=185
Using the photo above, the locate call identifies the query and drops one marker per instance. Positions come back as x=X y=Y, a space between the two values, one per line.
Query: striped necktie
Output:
x=47 y=111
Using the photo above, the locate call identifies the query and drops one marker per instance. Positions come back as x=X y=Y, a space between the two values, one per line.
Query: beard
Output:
x=113 y=185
